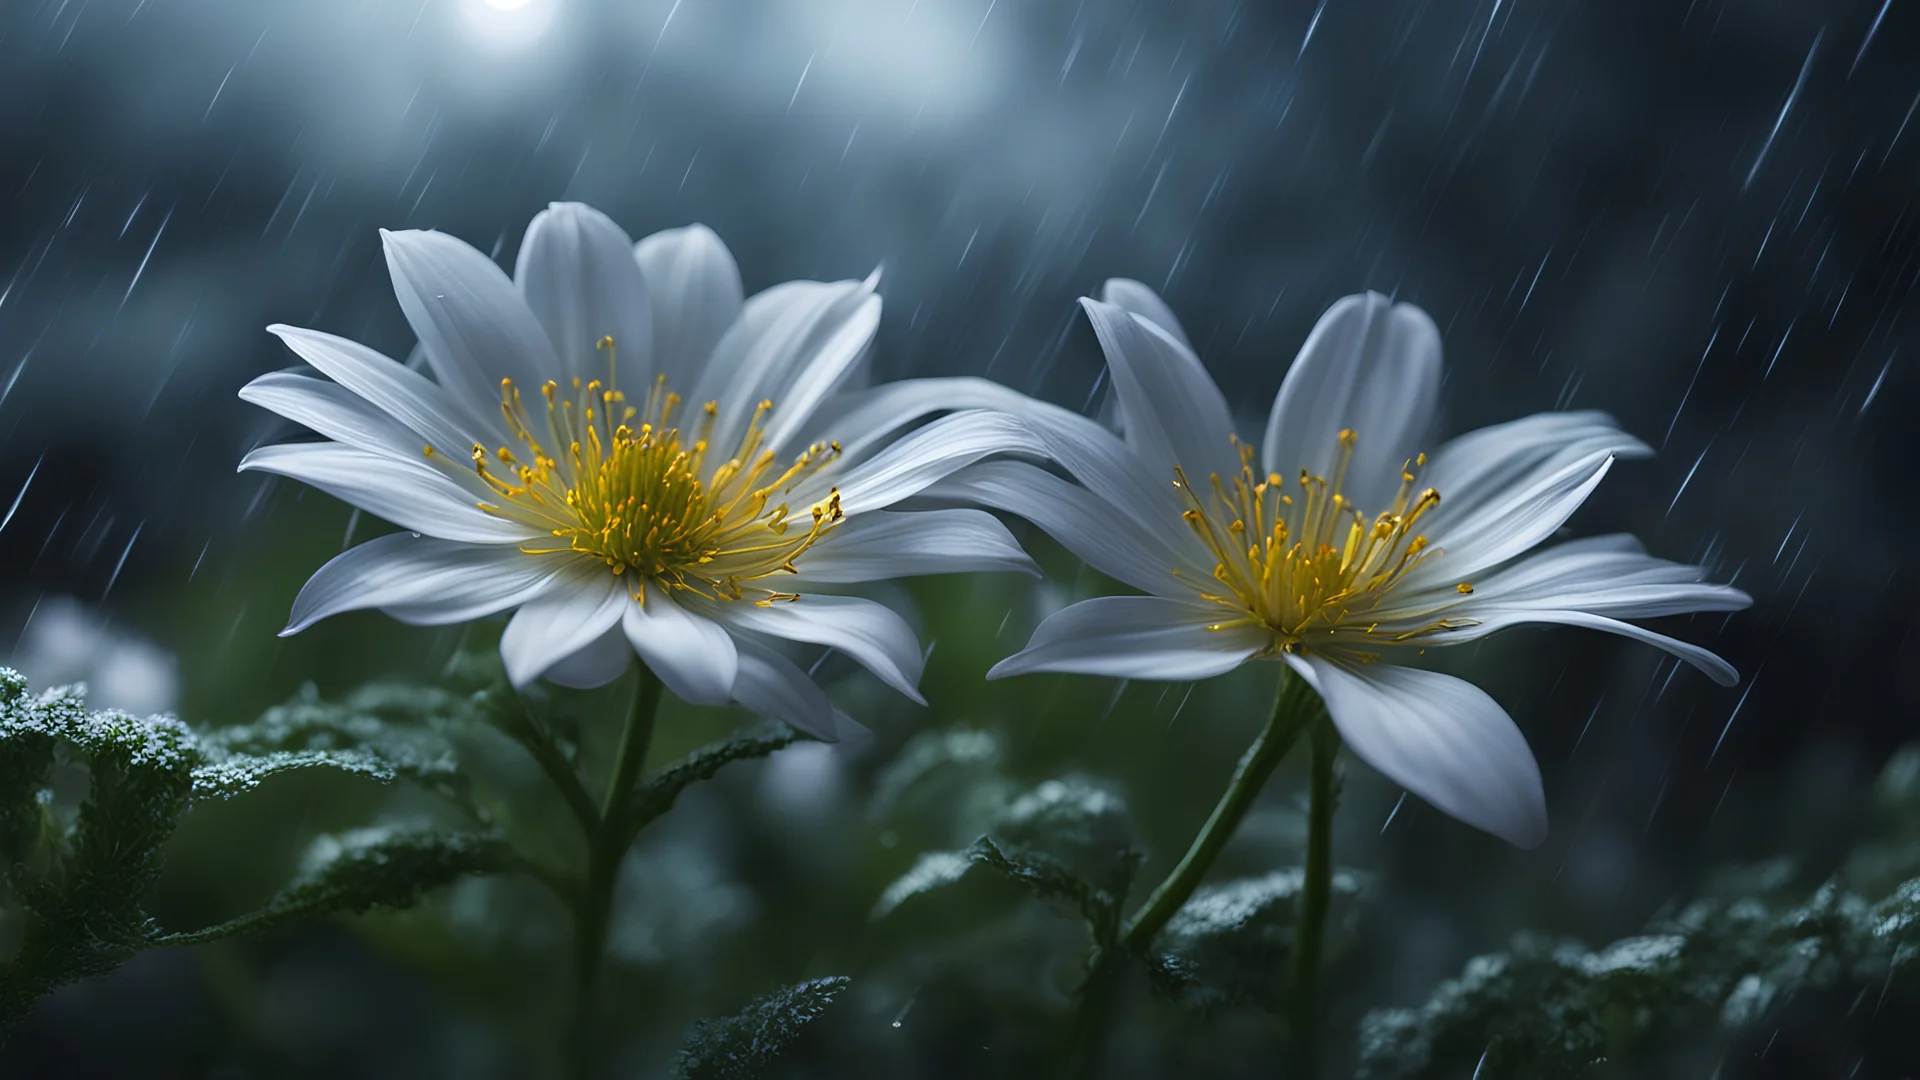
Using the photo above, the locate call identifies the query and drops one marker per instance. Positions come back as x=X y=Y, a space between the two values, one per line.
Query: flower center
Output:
x=632 y=487
x=1309 y=565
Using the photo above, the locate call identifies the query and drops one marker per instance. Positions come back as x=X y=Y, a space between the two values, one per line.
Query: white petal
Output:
x=1095 y=531
x=1370 y=365
x=410 y=495
x=882 y=544
x=1605 y=575
x=861 y=421
x=770 y=685
x=578 y=274
x=926 y=455
x=872 y=634
x=603 y=660
x=1490 y=619
x=334 y=411
x=472 y=321
x=1136 y=637
x=693 y=287
x=1485 y=465
x=1439 y=737
x=409 y=397
x=1132 y=296
x=1507 y=526
x=779 y=334
x=693 y=656
x=584 y=604
x=422 y=574
x=1602 y=576
x=823 y=370
x=1173 y=413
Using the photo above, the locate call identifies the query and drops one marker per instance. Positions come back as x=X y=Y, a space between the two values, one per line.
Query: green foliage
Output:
x=1553 y=1008
x=382 y=731
x=657 y=795
x=1230 y=943
x=1064 y=840
x=81 y=887
x=741 y=1046
x=1049 y=879
x=365 y=869
x=81 y=881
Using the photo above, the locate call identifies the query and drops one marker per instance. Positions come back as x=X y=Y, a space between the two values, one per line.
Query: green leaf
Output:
x=741 y=1046
x=82 y=910
x=1230 y=942
x=936 y=869
x=658 y=794
x=365 y=869
x=381 y=730
x=1049 y=879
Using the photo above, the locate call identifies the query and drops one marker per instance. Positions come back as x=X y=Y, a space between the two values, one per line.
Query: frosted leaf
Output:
x=934 y=870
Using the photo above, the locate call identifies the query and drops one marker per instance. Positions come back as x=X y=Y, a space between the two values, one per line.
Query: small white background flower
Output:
x=631 y=457
x=1335 y=544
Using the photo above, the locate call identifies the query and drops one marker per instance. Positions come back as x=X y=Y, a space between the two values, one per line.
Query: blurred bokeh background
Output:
x=1699 y=217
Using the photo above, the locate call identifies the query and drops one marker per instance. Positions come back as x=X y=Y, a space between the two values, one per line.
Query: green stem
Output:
x=604 y=851
x=1323 y=796
x=1294 y=706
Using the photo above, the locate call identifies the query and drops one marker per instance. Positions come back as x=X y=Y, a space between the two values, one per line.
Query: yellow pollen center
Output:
x=645 y=493
x=1304 y=561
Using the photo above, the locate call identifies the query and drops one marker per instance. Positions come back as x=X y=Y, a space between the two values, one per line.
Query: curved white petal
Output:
x=1370 y=365
x=882 y=544
x=770 y=685
x=1094 y=530
x=1439 y=737
x=1136 y=637
x=693 y=290
x=780 y=334
x=693 y=656
x=1111 y=470
x=423 y=575
x=601 y=661
x=1490 y=619
x=867 y=419
x=1604 y=576
x=578 y=274
x=411 y=398
x=1506 y=526
x=1130 y=295
x=471 y=320
x=823 y=370
x=410 y=495
x=583 y=604
x=1172 y=412
x=1483 y=466
x=873 y=634
x=922 y=457
x=334 y=411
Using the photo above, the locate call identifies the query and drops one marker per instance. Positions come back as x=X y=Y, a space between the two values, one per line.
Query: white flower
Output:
x=553 y=467
x=1337 y=546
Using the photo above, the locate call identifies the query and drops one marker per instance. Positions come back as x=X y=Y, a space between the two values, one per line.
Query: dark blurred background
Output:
x=1696 y=216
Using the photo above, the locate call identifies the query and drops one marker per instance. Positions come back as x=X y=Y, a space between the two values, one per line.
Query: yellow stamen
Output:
x=1313 y=569
x=627 y=487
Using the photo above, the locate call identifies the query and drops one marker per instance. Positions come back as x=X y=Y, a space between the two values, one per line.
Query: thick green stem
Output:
x=1294 y=706
x=1315 y=891
x=605 y=849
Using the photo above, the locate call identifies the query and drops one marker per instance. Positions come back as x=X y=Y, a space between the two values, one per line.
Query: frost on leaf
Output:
x=935 y=869
x=741 y=1046
x=381 y=731
x=357 y=871
x=80 y=879
x=81 y=885
x=1229 y=943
